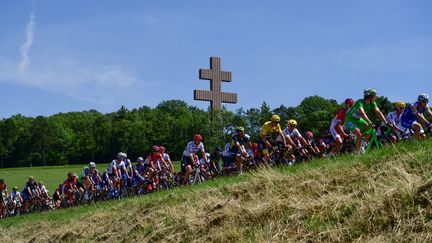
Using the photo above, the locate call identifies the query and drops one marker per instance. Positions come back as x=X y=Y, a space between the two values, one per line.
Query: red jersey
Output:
x=340 y=115
x=153 y=158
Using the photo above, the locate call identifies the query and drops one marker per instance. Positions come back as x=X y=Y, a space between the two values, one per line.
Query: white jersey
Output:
x=14 y=196
x=43 y=189
x=166 y=157
x=292 y=134
x=192 y=148
x=112 y=165
x=121 y=165
x=202 y=161
x=392 y=117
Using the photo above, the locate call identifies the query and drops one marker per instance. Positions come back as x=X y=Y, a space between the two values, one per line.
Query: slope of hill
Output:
x=385 y=195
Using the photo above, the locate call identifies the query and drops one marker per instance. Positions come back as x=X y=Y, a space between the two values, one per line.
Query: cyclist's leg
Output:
x=357 y=126
x=417 y=127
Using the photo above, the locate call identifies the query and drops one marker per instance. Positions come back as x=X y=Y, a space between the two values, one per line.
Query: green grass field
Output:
x=382 y=196
x=52 y=176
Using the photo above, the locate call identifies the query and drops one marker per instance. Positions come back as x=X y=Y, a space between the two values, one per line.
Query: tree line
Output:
x=81 y=137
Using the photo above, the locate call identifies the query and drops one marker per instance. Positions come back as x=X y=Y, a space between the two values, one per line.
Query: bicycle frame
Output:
x=373 y=140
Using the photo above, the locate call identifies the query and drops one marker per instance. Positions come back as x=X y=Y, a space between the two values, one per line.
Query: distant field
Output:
x=52 y=176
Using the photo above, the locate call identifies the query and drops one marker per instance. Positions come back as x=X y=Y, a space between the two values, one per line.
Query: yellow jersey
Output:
x=268 y=129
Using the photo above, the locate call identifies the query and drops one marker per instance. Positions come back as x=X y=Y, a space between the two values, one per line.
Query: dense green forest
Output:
x=80 y=137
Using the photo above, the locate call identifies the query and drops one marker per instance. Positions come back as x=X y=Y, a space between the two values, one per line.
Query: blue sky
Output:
x=60 y=56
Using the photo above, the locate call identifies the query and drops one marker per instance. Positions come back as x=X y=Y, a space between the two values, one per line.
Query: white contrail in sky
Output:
x=25 y=47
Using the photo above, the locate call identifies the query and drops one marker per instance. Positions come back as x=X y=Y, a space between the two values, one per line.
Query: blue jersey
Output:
x=140 y=168
x=410 y=114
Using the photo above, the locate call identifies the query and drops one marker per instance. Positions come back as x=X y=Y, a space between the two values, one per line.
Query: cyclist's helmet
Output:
x=254 y=145
x=292 y=122
x=140 y=159
x=309 y=134
x=125 y=155
x=15 y=188
x=120 y=155
x=349 y=102
x=197 y=138
x=240 y=129
x=208 y=155
x=162 y=148
x=92 y=165
x=275 y=118
x=155 y=148
x=423 y=98
x=369 y=92
x=400 y=104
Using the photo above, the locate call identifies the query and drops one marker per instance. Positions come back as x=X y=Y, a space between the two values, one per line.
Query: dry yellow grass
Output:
x=378 y=201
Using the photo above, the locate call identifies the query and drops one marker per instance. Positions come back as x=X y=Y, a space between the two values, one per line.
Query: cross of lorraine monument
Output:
x=216 y=77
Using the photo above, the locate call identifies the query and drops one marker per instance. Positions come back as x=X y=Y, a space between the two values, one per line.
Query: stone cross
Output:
x=216 y=77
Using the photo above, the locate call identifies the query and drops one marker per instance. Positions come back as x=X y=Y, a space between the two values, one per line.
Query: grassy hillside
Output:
x=385 y=195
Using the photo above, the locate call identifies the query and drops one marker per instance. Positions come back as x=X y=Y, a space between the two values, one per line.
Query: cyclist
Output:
x=15 y=200
x=313 y=145
x=42 y=189
x=413 y=118
x=357 y=118
x=167 y=159
x=394 y=119
x=3 y=198
x=204 y=165
x=117 y=170
x=188 y=160
x=70 y=188
x=227 y=161
x=237 y=148
x=269 y=131
x=93 y=174
x=337 y=125
x=58 y=196
x=153 y=160
x=30 y=190
x=128 y=165
x=139 y=167
x=292 y=134
x=215 y=159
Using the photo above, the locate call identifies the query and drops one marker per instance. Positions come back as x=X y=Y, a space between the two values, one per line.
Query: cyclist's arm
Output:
x=29 y=191
x=191 y=156
x=171 y=165
x=164 y=162
x=283 y=138
x=380 y=115
x=204 y=156
x=364 y=116
x=240 y=148
x=429 y=112
x=338 y=127
x=290 y=141
x=303 y=141
x=421 y=118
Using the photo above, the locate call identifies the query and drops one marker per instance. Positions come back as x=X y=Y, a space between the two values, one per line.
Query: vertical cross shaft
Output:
x=216 y=77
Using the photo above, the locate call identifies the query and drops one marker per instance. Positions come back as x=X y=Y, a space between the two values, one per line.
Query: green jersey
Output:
x=354 y=111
